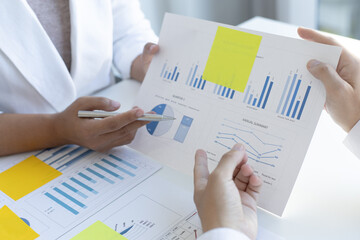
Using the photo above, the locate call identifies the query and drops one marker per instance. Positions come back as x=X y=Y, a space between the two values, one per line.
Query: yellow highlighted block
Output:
x=25 y=177
x=13 y=228
x=98 y=231
x=231 y=58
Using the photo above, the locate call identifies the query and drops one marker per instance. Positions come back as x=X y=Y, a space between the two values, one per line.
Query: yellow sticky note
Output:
x=13 y=228
x=99 y=231
x=25 y=177
x=231 y=58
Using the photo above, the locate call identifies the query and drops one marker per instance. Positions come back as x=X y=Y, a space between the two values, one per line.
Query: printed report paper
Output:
x=273 y=112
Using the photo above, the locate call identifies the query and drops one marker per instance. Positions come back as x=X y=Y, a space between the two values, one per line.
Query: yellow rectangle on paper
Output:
x=231 y=58
x=25 y=177
x=98 y=231
x=13 y=228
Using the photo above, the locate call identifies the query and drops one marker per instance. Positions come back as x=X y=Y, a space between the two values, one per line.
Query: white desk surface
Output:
x=325 y=202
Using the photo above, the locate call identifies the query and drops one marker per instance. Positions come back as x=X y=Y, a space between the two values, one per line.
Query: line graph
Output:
x=262 y=151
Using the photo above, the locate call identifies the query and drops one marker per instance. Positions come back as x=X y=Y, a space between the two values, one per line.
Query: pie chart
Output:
x=162 y=127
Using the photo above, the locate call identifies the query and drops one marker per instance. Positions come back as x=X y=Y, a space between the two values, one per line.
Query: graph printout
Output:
x=90 y=181
x=274 y=116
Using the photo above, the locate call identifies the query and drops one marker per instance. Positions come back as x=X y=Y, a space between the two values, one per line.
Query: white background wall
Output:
x=299 y=12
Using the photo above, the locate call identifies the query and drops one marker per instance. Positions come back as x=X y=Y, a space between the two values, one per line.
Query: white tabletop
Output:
x=325 y=202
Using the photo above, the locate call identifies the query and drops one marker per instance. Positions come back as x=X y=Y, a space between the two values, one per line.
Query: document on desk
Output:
x=89 y=183
x=226 y=85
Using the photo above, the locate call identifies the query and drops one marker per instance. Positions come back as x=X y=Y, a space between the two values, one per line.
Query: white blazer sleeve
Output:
x=223 y=234
x=352 y=141
x=131 y=32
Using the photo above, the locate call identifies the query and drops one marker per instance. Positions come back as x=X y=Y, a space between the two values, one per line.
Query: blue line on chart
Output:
x=252 y=133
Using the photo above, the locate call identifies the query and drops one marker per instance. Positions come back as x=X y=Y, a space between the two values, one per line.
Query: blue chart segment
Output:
x=261 y=148
x=258 y=100
x=169 y=72
x=223 y=91
x=195 y=79
x=160 y=128
x=82 y=187
x=183 y=129
x=293 y=101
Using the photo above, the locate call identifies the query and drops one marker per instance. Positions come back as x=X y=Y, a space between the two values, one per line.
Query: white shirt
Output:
x=33 y=75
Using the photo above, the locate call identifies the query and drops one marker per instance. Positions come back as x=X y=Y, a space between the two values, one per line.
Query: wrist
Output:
x=58 y=129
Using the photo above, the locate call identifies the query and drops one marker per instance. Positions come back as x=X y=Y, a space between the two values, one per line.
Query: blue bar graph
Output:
x=118 y=167
x=203 y=85
x=83 y=185
x=219 y=90
x=263 y=91
x=100 y=175
x=72 y=152
x=176 y=78
x=165 y=74
x=173 y=75
x=254 y=102
x=162 y=71
x=74 y=160
x=123 y=161
x=295 y=109
x=193 y=76
x=74 y=190
x=86 y=177
x=200 y=81
x=283 y=94
x=183 y=129
x=80 y=204
x=304 y=102
x=223 y=92
x=195 y=82
x=250 y=98
x=108 y=171
x=293 y=97
x=169 y=74
x=289 y=94
x=267 y=95
x=62 y=149
x=188 y=78
x=61 y=203
x=246 y=93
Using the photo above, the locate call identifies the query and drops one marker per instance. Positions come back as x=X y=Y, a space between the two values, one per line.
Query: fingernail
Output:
x=152 y=47
x=139 y=112
x=115 y=104
x=238 y=147
x=313 y=63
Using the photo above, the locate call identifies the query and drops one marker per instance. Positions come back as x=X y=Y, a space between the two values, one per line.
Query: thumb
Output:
x=201 y=171
x=327 y=75
x=149 y=50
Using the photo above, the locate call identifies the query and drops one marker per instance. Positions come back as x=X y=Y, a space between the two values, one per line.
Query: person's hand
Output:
x=342 y=84
x=227 y=197
x=142 y=62
x=100 y=135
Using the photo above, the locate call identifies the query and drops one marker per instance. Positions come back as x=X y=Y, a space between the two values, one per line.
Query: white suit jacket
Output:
x=33 y=76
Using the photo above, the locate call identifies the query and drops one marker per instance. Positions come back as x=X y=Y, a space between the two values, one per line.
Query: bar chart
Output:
x=223 y=91
x=255 y=99
x=183 y=129
x=88 y=177
x=294 y=97
x=170 y=73
x=194 y=78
